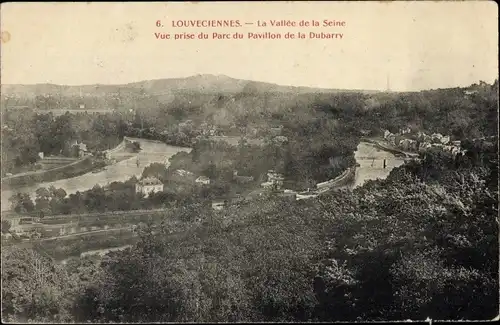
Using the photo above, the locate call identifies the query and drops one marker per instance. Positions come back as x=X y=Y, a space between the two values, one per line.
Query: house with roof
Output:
x=80 y=148
x=203 y=180
x=149 y=185
x=218 y=204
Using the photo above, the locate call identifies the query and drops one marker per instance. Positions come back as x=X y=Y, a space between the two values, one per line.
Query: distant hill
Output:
x=204 y=83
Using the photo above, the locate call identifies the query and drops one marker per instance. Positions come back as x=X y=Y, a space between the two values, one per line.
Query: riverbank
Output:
x=76 y=168
x=73 y=169
x=387 y=147
x=151 y=152
x=71 y=227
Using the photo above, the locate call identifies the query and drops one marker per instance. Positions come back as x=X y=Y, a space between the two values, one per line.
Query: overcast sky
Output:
x=418 y=45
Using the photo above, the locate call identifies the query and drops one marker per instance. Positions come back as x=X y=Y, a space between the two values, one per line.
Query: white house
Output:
x=82 y=150
x=149 y=185
x=218 y=205
x=203 y=180
x=40 y=155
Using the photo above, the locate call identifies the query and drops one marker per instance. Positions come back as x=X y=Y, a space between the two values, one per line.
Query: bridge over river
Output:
x=374 y=162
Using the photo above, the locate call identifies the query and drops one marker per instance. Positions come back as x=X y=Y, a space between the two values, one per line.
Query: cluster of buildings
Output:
x=208 y=130
x=421 y=142
x=274 y=180
x=149 y=185
x=79 y=148
x=477 y=88
x=203 y=180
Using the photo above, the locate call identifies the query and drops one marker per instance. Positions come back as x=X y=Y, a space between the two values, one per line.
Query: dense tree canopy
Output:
x=421 y=243
x=418 y=244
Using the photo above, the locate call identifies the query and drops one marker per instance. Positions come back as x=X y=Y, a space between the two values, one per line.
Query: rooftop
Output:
x=150 y=181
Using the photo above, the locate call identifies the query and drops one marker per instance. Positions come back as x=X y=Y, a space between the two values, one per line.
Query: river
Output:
x=152 y=151
x=369 y=158
x=371 y=163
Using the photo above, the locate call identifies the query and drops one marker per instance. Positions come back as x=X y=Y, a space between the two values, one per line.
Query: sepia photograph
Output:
x=283 y=161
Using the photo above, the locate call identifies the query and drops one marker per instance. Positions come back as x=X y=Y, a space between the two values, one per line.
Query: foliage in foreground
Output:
x=422 y=243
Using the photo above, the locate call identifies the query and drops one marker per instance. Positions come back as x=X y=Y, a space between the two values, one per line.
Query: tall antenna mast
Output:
x=388 y=83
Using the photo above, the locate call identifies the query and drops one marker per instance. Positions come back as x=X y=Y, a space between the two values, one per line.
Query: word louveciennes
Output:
x=206 y=23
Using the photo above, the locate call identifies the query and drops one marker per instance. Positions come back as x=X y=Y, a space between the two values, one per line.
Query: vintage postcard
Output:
x=249 y=161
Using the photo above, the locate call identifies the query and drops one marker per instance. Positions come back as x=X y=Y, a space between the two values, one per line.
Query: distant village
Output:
x=407 y=140
x=149 y=185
